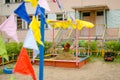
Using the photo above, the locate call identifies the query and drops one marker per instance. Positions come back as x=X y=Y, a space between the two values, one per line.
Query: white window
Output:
x=19 y=23
x=61 y=16
x=13 y=1
x=18 y=1
x=23 y=25
x=39 y=18
x=7 y=1
x=27 y=27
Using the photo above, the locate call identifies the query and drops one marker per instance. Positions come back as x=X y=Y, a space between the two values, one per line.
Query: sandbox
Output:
x=65 y=63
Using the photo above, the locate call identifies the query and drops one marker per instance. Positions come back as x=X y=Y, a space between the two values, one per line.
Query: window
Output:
x=27 y=23
x=46 y=16
x=39 y=18
x=59 y=16
x=86 y=14
x=13 y=1
x=19 y=23
x=18 y=1
x=7 y=1
x=100 y=13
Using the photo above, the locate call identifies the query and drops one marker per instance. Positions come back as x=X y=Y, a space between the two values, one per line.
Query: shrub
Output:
x=93 y=45
x=20 y=46
x=47 y=45
x=1 y=71
x=12 y=47
x=81 y=43
x=112 y=45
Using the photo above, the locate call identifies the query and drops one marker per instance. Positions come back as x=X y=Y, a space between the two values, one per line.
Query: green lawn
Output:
x=96 y=58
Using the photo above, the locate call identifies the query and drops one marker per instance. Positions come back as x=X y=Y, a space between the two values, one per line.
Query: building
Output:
x=103 y=13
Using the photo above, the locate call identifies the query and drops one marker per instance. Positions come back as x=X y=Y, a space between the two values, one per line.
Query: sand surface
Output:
x=91 y=71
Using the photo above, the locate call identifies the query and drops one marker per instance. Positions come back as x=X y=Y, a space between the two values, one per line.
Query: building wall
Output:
x=113 y=18
x=112 y=4
x=0 y=6
x=7 y=9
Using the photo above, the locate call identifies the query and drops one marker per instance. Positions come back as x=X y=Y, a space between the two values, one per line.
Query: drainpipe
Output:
x=53 y=41
x=75 y=14
x=105 y=26
x=80 y=15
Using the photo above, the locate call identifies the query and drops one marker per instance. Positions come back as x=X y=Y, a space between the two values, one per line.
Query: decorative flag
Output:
x=44 y=4
x=73 y=19
x=54 y=0
x=23 y=64
x=30 y=43
x=35 y=53
x=35 y=26
x=9 y=27
x=38 y=11
x=21 y=12
x=3 y=51
x=60 y=5
x=33 y=2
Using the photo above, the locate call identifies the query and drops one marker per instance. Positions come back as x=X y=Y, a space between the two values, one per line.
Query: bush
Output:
x=20 y=46
x=1 y=72
x=112 y=45
x=47 y=45
x=13 y=47
x=81 y=43
x=93 y=45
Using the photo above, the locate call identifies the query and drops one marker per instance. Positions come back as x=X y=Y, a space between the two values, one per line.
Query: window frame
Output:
x=86 y=14
x=98 y=13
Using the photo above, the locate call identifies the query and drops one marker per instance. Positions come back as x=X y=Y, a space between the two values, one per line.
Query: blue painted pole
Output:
x=41 y=62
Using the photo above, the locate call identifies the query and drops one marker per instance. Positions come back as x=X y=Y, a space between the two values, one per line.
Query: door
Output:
x=99 y=23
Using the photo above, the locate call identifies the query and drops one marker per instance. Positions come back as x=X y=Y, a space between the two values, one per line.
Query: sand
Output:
x=91 y=71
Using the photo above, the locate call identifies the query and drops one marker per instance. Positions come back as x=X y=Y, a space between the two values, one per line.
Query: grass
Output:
x=10 y=66
x=1 y=72
x=117 y=59
x=100 y=58
x=95 y=58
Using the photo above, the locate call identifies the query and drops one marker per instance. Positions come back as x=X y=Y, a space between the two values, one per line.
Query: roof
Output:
x=92 y=7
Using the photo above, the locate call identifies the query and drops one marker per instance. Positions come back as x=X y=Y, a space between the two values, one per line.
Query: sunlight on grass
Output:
x=100 y=58
x=117 y=59
x=1 y=71
x=95 y=58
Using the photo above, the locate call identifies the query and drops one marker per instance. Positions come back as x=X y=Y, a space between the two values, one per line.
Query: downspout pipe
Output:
x=105 y=25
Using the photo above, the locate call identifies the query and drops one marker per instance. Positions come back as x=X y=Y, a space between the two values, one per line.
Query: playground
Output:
x=69 y=56
x=97 y=70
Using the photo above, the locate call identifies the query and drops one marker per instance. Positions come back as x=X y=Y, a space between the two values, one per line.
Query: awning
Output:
x=92 y=7
x=66 y=24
